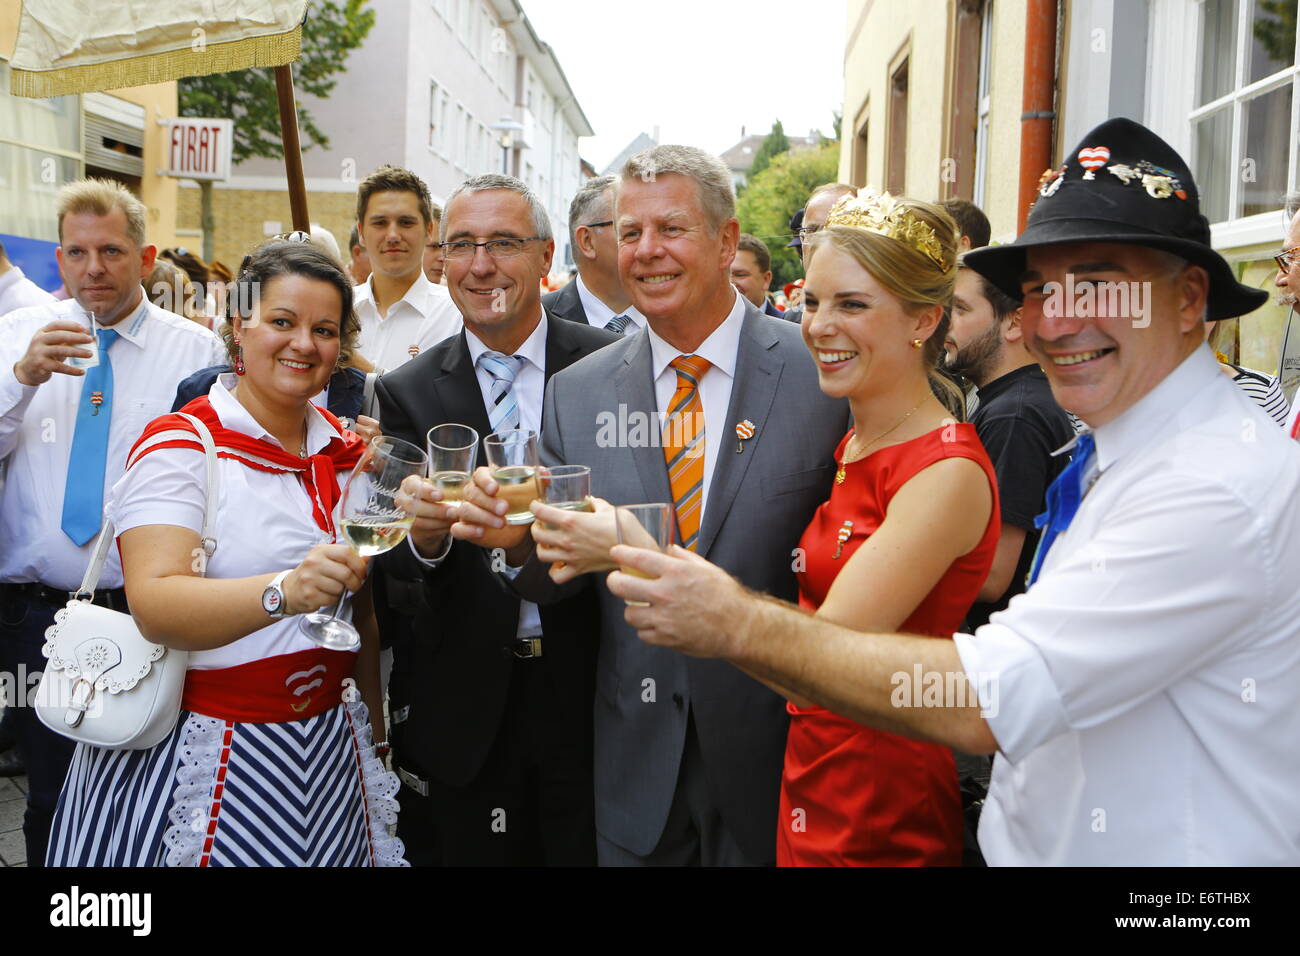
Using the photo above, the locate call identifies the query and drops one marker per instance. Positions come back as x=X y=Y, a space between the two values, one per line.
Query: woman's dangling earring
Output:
x=917 y=343
x=239 y=358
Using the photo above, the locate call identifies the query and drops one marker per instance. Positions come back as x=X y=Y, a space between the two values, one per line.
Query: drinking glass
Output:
x=370 y=522
x=650 y=526
x=567 y=487
x=512 y=457
x=451 y=450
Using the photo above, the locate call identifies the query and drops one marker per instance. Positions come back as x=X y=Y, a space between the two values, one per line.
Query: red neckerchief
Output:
x=318 y=473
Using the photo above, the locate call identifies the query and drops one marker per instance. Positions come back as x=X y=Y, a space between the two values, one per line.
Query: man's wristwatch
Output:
x=273 y=597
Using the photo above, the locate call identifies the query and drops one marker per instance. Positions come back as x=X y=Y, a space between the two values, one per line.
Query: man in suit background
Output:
x=751 y=273
x=497 y=692
x=596 y=295
x=688 y=755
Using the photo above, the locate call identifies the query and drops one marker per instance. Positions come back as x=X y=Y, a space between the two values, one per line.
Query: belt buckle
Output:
x=527 y=648
x=415 y=783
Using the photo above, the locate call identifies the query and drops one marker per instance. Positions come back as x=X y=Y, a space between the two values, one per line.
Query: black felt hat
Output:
x=796 y=223
x=1123 y=183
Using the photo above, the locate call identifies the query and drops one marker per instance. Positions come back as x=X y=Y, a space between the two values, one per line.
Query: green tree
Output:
x=774 y=144
x=332 y=30
x=774 y=195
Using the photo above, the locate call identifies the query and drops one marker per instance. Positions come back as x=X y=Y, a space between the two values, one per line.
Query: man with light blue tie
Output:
x=79 y=380
x=596 y=295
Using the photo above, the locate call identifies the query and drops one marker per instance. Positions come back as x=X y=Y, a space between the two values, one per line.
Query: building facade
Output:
x=424 y=91
x=46 y=143
x=934 y=92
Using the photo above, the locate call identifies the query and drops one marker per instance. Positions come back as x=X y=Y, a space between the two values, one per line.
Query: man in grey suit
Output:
x=688 y=753
x=596 y=295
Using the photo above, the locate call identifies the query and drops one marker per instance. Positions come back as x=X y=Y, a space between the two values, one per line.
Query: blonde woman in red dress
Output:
x=905 y=541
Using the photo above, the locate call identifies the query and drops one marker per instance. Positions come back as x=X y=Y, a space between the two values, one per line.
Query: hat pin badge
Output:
x=744 y=431
x=1093 y=158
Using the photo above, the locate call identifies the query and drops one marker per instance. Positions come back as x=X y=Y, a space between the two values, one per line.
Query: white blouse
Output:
x=264 y=519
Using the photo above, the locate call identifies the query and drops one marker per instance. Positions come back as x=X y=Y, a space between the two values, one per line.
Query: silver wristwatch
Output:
x=273 y=597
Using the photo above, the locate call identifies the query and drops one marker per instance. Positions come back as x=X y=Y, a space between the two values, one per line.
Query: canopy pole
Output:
x=292 y=149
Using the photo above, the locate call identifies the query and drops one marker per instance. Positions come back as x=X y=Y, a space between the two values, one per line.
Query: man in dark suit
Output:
x=596 y=295
x=751 y=273
x=496 y=693
x=688 y=754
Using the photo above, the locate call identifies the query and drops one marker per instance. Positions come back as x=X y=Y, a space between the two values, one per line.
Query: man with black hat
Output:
x=1144 y=693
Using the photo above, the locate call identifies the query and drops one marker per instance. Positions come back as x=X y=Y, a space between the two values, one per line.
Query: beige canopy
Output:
x=76 y=46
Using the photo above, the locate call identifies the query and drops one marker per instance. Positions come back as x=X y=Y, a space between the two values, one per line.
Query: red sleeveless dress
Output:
x=851 y=795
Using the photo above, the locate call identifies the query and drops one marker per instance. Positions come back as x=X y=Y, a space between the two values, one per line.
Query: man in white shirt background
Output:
x=401 y=312
x=434 y=262
x=1144 y=693
x=16 y=290
x=596 y=294
x=71 y=405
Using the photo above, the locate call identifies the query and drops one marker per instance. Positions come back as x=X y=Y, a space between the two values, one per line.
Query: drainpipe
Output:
x=1038 y=117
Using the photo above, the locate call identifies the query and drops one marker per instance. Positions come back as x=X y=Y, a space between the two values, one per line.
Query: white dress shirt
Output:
x=1147 y=686
x=599 y=314
x=419 y=320
x=156 y=349
x=720 y=349
x=529 y=387
x=18 y=292
x=263 y=524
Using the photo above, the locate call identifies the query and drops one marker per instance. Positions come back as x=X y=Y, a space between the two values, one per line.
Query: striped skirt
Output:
x=225 y=793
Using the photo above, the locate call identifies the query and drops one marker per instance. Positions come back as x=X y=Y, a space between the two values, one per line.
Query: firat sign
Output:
x=199 y=148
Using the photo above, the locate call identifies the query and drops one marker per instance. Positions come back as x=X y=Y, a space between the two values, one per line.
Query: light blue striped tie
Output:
x=504 y=413
x=83 y=491
x=618 y=324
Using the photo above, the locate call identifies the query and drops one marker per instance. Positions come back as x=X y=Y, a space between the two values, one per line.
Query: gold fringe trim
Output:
x=152 y=68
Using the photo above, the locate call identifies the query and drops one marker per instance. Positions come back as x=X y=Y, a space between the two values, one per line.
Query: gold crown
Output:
x=886 y=216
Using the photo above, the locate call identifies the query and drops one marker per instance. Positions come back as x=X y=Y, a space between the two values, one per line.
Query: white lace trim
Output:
x=379 y=787
x=191 y=811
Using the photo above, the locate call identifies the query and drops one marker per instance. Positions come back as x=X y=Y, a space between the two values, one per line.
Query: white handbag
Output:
x=104 y=684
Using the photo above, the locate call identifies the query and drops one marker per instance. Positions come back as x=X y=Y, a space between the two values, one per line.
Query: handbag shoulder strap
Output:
x=99 y=554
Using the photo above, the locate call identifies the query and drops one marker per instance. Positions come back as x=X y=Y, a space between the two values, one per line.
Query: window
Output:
x=1243 y=112
x=896 y=159
x=984 y=104
x=456 y=149
x=435 y=120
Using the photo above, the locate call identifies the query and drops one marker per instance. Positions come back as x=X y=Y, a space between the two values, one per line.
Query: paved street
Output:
x=13 y=794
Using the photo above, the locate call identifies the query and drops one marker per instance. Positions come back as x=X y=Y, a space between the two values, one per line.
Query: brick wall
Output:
x=240 y=213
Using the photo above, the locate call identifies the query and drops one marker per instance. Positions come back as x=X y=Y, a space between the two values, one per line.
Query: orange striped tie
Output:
x=683 y=441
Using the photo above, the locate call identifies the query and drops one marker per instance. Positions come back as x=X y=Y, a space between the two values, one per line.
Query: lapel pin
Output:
x=845 y=532
x=744 y=431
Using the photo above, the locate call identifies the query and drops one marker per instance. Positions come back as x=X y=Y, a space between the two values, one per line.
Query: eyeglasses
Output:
x=496 y=248
x=597 y=225
x=808 y=231
x=1285 y=258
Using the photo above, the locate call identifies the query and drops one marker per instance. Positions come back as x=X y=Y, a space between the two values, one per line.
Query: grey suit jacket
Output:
x=565 y=303
x=760 y=501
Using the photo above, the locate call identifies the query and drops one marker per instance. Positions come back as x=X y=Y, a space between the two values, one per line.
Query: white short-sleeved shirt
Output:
x=418 y=321
x=1145 y=691
x=155 y=351
x=264 y=519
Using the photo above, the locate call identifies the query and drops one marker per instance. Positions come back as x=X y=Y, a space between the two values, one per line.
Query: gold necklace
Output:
x=850 y=459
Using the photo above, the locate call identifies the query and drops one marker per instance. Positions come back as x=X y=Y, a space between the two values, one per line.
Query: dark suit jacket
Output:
x=773 y=311
x=760 y=502
x=346 y=389
x=565 y=303
x=458 y=661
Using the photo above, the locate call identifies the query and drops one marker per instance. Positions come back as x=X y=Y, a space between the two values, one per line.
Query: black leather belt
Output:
x=114 y=599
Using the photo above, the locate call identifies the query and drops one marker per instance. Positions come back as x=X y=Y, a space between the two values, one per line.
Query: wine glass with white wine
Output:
x=370 y=522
